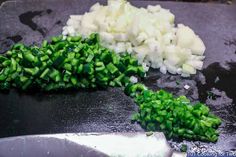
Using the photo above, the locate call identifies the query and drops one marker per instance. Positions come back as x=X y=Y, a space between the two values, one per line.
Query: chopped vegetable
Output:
x=176 y=117
x=149 y=133
x=76 y=62
x=72 y=62
x=183 y=148
x=186 y=86
x=149 y=33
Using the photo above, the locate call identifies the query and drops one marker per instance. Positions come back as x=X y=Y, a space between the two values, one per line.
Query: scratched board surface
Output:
x=110 y=110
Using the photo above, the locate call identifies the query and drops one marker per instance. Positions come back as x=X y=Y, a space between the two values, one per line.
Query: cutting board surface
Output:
x=110 y=110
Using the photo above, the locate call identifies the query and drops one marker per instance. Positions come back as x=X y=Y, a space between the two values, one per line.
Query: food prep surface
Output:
x=111 y=110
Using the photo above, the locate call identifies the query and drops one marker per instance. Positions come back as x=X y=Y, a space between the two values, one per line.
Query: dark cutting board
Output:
x=110 y=110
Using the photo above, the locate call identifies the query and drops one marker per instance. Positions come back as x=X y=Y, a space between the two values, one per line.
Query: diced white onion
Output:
x=133 y=79
x=149 y=34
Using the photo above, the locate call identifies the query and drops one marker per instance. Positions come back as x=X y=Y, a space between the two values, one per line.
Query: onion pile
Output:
x=148 y=33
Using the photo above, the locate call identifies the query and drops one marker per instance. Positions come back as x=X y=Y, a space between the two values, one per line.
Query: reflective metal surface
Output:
x=88 y=145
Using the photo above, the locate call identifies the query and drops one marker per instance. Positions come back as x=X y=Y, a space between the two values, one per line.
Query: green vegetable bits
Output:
x=176 y=117
x=73 y=62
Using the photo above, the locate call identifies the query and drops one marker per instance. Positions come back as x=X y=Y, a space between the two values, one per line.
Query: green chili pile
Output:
x=176 y=117
x=76 y=62
x=73 y=62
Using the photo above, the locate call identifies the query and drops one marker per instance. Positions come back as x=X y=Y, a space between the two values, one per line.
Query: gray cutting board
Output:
x=110 y=110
